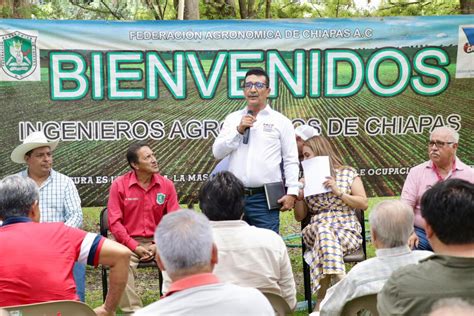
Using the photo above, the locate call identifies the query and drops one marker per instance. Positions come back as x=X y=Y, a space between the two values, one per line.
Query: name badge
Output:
x=267 y=127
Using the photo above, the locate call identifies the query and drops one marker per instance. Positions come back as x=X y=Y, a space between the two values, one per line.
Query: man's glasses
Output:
x=257 y=85
x=439 y=143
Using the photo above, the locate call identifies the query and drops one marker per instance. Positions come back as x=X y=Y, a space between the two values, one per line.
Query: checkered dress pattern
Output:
x=333 y=231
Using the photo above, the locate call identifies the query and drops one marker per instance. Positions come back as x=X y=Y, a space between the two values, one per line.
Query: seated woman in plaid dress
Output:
x=334 y=230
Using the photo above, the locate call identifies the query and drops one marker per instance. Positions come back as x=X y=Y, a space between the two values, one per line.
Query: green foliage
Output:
x=417 y=8
x=220 y=9
x=216 y=10
x=98 y=10
x=8 y=12
x=288 y=9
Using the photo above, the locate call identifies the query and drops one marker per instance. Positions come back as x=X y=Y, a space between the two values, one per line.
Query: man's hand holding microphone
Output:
x=245 y=124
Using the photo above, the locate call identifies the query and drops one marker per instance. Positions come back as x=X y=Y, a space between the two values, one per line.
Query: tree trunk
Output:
x=467 y=6
x=20 y=9
x=191 y=9
x=267 y=9
x=251 y=9
x=243 y=10
x=231 y=7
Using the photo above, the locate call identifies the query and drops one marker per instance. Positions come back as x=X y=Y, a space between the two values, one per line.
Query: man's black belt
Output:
x=252 y=191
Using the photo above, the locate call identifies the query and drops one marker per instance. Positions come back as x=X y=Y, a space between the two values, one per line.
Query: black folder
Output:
x=274 y=191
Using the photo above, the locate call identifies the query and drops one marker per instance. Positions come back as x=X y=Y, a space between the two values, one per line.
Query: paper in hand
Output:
x=315 y=172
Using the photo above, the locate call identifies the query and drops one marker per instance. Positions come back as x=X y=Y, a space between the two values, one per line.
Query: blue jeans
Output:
x=258 y=214
x=79 y=272
x=423 y=243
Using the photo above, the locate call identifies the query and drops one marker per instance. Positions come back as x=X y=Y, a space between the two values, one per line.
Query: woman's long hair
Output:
x=322 y=147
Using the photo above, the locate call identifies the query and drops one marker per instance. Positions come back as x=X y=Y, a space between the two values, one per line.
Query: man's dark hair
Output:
x=258 y=72
x=132 y=156
x=448 y=207
x=221 y=198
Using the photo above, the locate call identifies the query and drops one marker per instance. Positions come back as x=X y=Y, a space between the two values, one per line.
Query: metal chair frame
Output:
x=104 y=231
x=347 y=259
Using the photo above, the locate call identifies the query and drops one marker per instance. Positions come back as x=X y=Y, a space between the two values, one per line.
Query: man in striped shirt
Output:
x=59 y=200
x=38 y=259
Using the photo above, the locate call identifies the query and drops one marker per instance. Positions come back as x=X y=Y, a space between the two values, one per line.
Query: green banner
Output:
x=376 y=87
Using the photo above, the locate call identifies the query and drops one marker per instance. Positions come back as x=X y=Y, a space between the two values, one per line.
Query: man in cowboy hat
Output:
x=59 y=200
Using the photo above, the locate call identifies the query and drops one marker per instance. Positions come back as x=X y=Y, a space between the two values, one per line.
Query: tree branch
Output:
x=87 y=8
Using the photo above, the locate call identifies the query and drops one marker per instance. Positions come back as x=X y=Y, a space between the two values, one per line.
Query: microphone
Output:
x=247 y=130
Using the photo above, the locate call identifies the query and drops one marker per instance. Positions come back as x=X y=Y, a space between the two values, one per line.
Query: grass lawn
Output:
x=147 y=280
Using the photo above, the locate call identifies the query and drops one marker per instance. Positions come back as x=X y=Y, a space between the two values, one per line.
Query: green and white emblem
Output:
x=160 y=198
x=19 y=56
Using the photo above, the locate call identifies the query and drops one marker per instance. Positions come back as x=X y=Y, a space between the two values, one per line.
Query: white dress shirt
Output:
x=210 y=300
x=368 y=277
x=253 y=257
x=271 y=141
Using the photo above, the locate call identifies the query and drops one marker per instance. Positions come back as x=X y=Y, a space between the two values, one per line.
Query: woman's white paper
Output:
x=315 y=172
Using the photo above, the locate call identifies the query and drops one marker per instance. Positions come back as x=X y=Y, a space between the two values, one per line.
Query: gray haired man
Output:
x=186 y=250
x=391 y=224
x=443 y=165
x=48 y=251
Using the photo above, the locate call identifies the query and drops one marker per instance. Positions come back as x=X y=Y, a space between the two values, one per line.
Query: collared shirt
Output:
x=59 y=200
x=368 y=277
x=192 y=281
x=271 y=141
x=40 y=260
x=413 y=289
x=251 y=257
x=134 y=211
x=422 y=177
x=201 y=295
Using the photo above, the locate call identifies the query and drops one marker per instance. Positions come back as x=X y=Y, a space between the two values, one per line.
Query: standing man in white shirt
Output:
x=271 y=140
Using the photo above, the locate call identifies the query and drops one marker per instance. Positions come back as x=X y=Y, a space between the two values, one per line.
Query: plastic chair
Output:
x=280 y=306
x=104 y=231
x=53 y=308
x=367 y=302
x=357 y=256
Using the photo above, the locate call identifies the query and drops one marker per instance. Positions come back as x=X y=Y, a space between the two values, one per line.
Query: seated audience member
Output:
x=185 y=249
x=443 y=164
x=137 y=202
x=391 y=223
x=248 y=255
x=59 y=199
x=41 y=256
x=334 y=230
x=448 y=208
x=452 y=306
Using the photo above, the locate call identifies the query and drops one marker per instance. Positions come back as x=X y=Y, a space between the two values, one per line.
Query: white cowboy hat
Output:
x=32 y=141
x=306 y=132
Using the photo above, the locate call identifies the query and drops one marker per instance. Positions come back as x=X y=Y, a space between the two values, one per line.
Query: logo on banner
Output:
x=469 y=46
x=465 y=58
x=18 y=55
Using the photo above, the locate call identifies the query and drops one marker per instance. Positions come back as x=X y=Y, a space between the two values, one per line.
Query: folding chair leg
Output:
x=105 y=287
x=160 y=280
x=307 y=282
